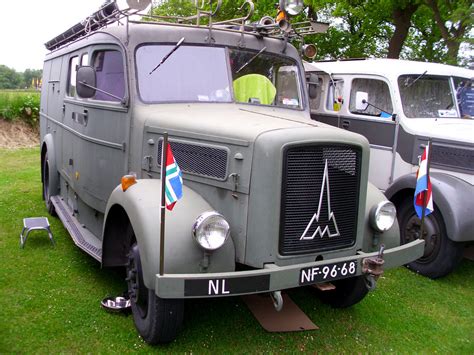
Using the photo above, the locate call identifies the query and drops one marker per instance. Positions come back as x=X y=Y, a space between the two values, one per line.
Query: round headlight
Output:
x=292 y=7
x=211 y=230
x=383 y=216
x=309 y=51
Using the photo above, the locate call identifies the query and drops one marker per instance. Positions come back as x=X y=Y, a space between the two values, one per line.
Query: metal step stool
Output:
x=35 y=223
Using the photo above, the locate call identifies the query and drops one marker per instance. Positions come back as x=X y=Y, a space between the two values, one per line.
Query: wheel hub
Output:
x=137 y=290
x=430 y=235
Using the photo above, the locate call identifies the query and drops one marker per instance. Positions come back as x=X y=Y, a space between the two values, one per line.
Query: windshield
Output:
x=201 y=74
x=427 y=96
x=189 y=74
x=264 y=79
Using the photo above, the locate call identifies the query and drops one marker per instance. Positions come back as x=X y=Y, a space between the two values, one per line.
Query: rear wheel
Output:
x=157 y=320
x=347 y=293
x=441 y=254
x=46 y=187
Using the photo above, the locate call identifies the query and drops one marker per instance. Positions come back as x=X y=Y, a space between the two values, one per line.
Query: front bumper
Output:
x=273 y=277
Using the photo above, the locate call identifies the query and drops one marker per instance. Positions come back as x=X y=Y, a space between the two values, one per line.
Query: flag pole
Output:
x=164 y=154
x=425 y=194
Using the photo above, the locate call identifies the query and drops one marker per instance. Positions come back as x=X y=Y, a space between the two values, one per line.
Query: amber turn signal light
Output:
x=127 y=181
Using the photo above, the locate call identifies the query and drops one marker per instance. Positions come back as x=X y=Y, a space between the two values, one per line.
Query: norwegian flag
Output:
x=423 y=186
x=174 y=180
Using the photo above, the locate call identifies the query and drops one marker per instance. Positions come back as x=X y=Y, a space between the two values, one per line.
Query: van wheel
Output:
x=441 y=255
x=46 y=187
x=157 y=320
x=347 y=293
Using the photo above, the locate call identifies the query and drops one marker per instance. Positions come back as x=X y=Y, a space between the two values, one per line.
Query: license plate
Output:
x=315 y=274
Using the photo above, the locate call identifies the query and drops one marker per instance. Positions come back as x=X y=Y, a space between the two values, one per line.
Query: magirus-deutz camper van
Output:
x=398 y=106
x=271 y=199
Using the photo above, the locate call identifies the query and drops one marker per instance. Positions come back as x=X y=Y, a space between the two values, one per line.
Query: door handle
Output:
x=346 y=124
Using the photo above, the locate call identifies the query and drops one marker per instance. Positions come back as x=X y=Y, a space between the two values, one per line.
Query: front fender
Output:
x=390 y=238
x=141 y=203
x=451 y=195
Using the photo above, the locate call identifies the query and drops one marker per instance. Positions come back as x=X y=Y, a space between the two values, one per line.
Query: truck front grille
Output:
x=320 y=198
x=452 y=157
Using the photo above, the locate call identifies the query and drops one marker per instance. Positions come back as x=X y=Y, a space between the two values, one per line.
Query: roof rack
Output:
x=109 y=13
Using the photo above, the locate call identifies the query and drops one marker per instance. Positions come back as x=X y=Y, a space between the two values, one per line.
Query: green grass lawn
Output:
x=50 y=299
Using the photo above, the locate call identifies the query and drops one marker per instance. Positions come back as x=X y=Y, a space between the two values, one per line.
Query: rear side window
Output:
x=335 y=99
x=73 y=62
x=110 y=75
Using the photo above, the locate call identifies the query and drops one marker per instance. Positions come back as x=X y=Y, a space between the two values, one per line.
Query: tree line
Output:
x=425 y=30
x=11 y=79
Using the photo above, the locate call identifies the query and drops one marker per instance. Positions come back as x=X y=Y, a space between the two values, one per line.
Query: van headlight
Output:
x=211 y=230
x=292 y=7
x=382 y=216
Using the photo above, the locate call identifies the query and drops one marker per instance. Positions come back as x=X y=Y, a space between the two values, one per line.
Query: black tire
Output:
x=441 y=255
x=157 y=320
x=347 y=293
x=46 y=188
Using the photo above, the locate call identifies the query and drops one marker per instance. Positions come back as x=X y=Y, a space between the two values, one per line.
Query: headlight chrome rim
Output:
x=292 y=7
x=384 y=209
x=215 y=241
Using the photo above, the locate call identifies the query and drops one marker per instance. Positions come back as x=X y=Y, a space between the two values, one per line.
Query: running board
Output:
x=79 y=234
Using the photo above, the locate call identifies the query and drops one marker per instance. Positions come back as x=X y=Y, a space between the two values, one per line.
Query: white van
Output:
x=398 y=105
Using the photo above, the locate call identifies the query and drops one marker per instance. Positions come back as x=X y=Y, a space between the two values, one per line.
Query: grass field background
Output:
x=50 y=299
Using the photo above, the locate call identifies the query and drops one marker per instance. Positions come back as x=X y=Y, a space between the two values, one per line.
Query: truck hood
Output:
x=460 y=130
x=226 y=121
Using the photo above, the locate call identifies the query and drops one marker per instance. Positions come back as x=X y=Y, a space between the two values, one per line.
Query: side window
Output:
x=380 y=102
x=110 y=75
x=465 y=96
x=335 y=99
x=85 y=60
x=73 y=62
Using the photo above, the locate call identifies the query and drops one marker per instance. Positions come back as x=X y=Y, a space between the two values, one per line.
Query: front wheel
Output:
x=441 y=254
x=347 y=293
x=157 y=320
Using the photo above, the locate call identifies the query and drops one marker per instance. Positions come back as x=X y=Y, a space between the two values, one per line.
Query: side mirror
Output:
x=313 y=83
x=362 y=100
x=86 y=82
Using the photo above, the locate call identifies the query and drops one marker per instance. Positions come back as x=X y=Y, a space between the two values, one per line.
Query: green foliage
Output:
x=9 y=78
x=23 y=105
x=49 y=300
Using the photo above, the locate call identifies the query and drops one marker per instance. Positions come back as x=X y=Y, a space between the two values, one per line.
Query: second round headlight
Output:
x=382 y=216
x=292 y=7
x=211 y=230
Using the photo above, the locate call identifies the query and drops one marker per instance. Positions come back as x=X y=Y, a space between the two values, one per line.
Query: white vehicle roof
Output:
x=387 y=68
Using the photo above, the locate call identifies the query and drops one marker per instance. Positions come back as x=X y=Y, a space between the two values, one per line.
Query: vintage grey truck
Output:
x=271 y=199
x=407 y=103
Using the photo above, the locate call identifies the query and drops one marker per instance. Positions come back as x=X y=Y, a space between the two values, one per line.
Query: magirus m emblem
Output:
x=322 y=230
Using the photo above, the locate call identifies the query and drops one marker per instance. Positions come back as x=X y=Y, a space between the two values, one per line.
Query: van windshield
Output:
x=430 y=96
x=203 y=74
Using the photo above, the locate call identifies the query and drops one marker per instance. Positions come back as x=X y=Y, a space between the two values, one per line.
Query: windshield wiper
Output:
x=165 y=58
x=251 y=60
x=419 y=77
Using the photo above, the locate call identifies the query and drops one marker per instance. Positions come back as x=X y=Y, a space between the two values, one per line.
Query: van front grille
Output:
x=320 y=198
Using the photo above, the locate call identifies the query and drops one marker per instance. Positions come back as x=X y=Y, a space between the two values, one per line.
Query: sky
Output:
x=25 y=25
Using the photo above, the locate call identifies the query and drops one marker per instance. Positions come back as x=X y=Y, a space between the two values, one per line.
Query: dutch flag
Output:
x=174 y=180
x=423 y=186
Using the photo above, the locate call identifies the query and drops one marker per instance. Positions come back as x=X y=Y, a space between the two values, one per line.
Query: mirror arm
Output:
x=369 y=104
x=121 y=99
